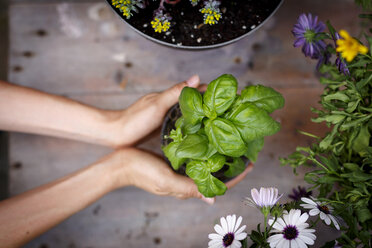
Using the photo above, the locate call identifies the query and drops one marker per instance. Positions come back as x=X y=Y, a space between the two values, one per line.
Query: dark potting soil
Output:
x=187 y=29
x=169 y=123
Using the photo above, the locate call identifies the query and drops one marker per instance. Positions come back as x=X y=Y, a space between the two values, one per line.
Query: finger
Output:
x=170 y=96
x=237 y=179
x=202 y=87
x=184 y=187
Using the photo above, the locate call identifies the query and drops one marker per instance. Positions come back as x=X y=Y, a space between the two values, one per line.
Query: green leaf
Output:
x=263 y=97
x=176 y=135
x=363 y=214
x=219 y=95
x=253 y=148
x=361 y=142
x=225 y=137
x=252 y=121
x=235 y=168
x=193 y=146
x=170 y=153
x=207 y=184
x=216 y=162
x=327 y=141
x=336 y=96
x=191 y=105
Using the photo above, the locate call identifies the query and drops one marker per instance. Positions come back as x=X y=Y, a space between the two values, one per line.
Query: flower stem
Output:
x=265 y=231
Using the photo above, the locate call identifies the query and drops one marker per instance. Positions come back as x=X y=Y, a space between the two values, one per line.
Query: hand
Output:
x=149 y=172
x=147 y=114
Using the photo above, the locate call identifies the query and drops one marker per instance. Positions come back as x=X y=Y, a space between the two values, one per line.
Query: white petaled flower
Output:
x=267 y=197
x=291 y=231
x=324 y=210
x=228 y=233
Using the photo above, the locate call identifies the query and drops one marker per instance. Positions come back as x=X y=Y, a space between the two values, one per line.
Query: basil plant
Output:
x=219 y=128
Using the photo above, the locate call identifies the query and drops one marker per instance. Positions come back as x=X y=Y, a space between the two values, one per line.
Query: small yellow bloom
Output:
x=160 y=26
x=349 y=47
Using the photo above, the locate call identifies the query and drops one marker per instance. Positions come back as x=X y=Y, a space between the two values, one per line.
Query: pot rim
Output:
x=195 y=48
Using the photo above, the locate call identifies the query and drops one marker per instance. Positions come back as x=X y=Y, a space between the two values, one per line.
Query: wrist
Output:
x=118 y=167
x=113 y=127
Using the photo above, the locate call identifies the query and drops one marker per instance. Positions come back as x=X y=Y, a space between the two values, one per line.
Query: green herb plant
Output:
x=219 y=128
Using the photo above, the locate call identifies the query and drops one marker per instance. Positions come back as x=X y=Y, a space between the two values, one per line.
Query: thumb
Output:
x=170 y=96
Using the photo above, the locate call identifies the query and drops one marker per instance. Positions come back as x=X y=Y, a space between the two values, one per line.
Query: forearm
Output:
x=28 y=215
x=26 y=110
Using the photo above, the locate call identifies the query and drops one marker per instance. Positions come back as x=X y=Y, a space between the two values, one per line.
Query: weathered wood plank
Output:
x=84 y=65
x=4 y=137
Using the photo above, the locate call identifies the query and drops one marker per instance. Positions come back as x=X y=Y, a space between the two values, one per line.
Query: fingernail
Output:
x=210 y=201
x=193 y=81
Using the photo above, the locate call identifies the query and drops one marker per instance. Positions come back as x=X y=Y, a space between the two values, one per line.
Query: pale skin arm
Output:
x=28 y=215
x=27 y=110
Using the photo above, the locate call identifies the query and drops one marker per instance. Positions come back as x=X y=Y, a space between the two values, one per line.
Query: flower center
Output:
x=228 y=239
x=324 y=209
x=290 y=232
x=309 y=35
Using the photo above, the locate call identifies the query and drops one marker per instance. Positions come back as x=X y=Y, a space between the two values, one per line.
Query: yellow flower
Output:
x=160 y=26
x=349 y=47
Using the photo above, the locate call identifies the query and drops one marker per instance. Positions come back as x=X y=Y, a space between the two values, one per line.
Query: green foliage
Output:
x=219 y=128
x=342 y=159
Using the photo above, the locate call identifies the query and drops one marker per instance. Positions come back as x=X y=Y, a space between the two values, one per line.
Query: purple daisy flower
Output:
x=306 y=30
x=340 y=63
x=299 y=193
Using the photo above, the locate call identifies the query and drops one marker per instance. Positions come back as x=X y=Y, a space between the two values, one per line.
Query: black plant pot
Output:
x=239 y=19
x=168 y=124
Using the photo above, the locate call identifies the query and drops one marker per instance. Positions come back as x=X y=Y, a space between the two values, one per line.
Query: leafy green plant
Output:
x=219 y=128
x=342 y=159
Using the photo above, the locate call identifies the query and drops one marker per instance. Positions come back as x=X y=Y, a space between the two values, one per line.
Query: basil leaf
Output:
x=216 y=162
x=219 y=95
x=235 y=168
x=170 y=153
x=253 y=148
x=193 y=146
x=211 y=186
x=197 y=170
x=252 y=121
x=176 y=135
x=225 y=137
x=207 y=184
x=191 y=105
x=264 y=97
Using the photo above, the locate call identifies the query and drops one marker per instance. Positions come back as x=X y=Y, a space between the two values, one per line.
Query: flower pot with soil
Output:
x=211 y=137
x=195 y=24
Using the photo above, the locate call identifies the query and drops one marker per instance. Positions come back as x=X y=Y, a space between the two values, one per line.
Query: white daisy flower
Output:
x=267 y=197
x=228 y=235
x=324 y=211
x=291 y=231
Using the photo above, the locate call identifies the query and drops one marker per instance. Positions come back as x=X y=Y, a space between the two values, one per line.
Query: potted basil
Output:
x=215 y=134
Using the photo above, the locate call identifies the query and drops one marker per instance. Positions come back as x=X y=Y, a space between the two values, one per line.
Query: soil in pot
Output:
x=169 y=123
x=187 y=29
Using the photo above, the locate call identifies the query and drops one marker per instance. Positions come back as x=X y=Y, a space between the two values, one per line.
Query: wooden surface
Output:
x=4 y=137
x=100 y=61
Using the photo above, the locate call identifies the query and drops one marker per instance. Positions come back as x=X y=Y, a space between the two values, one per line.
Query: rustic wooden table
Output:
x=66 y=48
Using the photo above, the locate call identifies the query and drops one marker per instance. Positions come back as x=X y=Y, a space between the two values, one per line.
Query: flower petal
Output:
x=241 y=236
x=215 y=236
x=238 y=222
x=224 y=224
x=219 y=230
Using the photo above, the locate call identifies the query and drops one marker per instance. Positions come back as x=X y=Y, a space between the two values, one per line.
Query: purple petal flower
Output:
x=305 y=31
x=301 y=192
